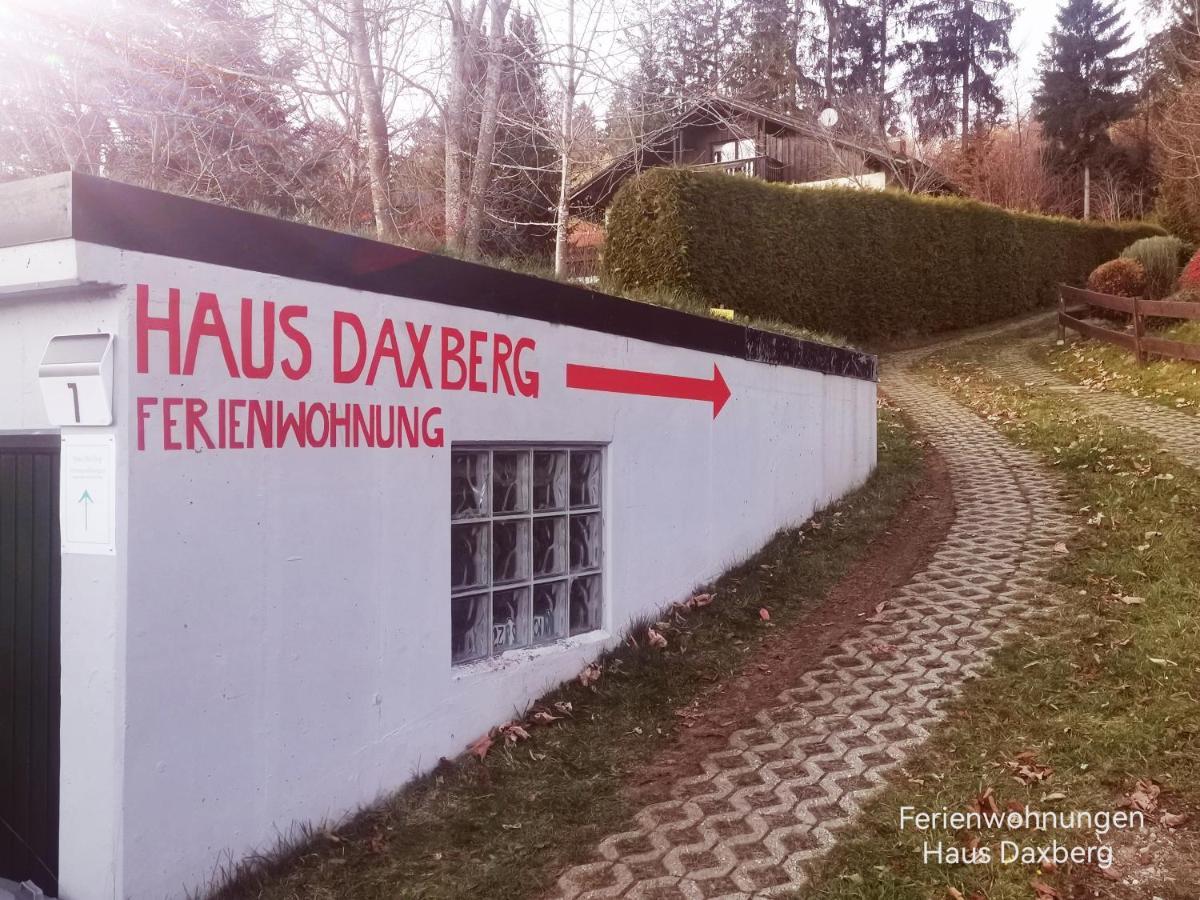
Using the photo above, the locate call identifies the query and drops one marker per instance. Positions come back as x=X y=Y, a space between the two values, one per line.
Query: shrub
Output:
x=1162 y=258
x=856 y=263
x=1121 y=277
x=1189 y=278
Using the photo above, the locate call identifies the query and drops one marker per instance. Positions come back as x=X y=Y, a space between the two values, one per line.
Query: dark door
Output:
x=29 y=659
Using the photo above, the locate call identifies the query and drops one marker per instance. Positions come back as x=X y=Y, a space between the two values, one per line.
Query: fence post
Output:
x=1062 y=311
x=1139 y=331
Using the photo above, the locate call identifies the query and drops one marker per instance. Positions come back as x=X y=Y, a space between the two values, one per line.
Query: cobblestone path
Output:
x=772 y=802
x=1176 y=431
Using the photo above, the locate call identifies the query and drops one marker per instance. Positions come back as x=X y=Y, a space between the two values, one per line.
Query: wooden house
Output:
x=743 y=138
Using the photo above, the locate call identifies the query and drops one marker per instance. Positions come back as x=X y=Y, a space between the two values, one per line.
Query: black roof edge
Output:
x=110 y=213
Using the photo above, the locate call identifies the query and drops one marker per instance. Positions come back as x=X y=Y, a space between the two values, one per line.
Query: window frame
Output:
x=737 y=148
x=529 y=583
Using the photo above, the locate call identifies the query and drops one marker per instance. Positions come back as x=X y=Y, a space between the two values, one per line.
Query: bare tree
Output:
x=481 y=172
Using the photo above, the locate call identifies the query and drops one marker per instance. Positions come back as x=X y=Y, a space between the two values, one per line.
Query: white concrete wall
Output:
x=271 y=643
x=39 y=298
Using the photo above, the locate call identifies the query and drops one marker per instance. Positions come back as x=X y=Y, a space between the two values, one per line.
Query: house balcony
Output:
x=764 y=167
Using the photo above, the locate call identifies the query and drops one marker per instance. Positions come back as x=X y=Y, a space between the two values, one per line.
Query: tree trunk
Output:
x=463 y=30
x=1087 y=191
x=371 y=101
x=832 y=25
x=968 y=11
x=481 y=174
x=562 y=214
x=883 y=66
x=456 y=99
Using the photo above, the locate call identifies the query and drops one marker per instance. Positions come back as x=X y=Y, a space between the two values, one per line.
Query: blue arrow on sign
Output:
x=86 y=499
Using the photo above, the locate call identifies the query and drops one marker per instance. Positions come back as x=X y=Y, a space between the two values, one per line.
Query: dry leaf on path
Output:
x=1060 y=547
x=1173 y=820
x=541 y=717
x=655 y=638
x=1043 y=891
x=954 y=893
x=590 y=675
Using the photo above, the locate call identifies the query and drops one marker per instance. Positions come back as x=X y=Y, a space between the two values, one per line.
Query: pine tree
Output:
x=1083 y=81
x=954 y=63
x=761 y=46
x=870 y=50
x=692 y=46
x=525 y=180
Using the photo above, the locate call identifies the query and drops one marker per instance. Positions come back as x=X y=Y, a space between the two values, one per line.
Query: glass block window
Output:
x=526 y=547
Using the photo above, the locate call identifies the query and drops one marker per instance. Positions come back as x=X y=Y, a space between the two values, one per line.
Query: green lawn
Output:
x=1172 y=383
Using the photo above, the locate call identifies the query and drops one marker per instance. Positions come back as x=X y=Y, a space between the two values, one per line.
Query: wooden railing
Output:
x=764 y=167
x=1142 y=344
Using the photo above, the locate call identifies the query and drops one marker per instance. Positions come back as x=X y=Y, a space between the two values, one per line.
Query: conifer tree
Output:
x=960 y=48
x=692 y=46
x=1083 y=82
x=761 y=47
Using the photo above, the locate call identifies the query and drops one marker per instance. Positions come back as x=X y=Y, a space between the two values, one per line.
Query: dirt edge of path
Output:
x=888 y=563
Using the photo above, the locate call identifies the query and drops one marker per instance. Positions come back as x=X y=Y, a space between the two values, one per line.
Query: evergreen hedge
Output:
x=856 y=263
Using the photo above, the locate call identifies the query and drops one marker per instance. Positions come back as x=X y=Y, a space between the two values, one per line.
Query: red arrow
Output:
x=650 y=384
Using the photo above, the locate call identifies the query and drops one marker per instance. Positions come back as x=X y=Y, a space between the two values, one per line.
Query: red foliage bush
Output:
x=1120 y=277
x=1189 y=278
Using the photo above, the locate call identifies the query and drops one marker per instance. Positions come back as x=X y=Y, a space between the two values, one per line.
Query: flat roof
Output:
x=112 y=214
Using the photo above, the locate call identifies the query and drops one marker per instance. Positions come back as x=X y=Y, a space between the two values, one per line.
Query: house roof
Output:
x=600 y=185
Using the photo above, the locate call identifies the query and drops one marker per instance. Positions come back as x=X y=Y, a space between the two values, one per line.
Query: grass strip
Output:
x=508 y=826
x=1172 y=383
x=1098 y=695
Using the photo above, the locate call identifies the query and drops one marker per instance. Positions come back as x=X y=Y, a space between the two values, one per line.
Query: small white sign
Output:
x=87 y=496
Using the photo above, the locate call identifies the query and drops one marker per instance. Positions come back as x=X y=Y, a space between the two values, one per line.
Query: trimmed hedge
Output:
x=856 y=263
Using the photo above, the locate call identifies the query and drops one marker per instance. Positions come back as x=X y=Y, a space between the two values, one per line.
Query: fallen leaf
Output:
x=1173 y=820
x=1057 y=795
x=700 y=600
x=655 y=638
x=1144 y=796
x=541 y=717
x=513 y=732
x=590 y=675
x=481 y=747
x=954 y=894
x=1027 y=769
x=985 y=802
x=1060 y=547
x=1043 y=891
x=880 y=649
x=563 y=707
x=764 y=614
x=1133 y=601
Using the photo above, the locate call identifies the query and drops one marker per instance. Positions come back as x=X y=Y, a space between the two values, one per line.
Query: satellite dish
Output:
x=828 y=117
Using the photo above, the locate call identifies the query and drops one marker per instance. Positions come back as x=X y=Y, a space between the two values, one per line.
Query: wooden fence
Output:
x=1143 y=345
